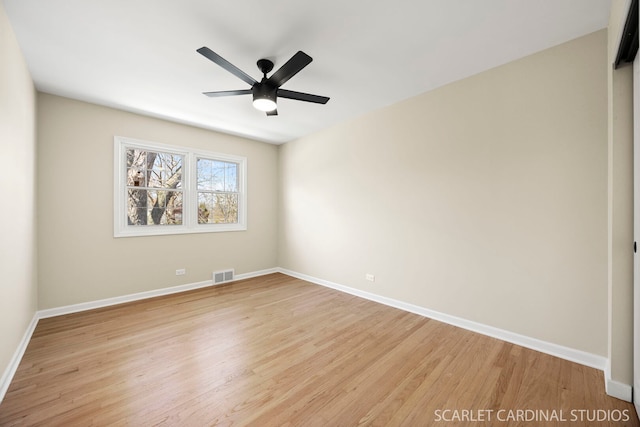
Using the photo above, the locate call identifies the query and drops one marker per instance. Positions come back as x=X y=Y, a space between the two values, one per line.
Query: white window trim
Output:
x=189 y=188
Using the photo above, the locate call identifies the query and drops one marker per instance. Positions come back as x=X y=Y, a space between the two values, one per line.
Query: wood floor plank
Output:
x=278 y=351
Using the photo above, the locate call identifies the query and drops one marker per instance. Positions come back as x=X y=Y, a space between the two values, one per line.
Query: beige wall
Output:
x=80 y=260
x=18 y=290
x=620 y=277
x=485 y=199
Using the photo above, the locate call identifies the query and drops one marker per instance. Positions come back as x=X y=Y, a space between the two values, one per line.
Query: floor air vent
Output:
x=222 y=276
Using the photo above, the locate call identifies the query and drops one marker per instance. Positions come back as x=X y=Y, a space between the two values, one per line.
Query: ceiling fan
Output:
x=266 y=92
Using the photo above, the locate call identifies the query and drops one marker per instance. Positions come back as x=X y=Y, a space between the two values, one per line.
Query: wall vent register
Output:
x=222 y=276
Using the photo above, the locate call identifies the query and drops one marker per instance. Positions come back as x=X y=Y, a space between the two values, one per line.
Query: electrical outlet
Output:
x=370 y=277
x=181 y=272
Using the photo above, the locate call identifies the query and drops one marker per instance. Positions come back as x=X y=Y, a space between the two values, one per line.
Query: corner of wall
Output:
x=18 y=293
x=619 y=373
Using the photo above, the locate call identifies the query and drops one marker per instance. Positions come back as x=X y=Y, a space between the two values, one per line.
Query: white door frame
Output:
x=636 y=234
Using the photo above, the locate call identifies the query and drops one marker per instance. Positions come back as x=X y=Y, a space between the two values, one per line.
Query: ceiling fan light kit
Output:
x=264 y=104
x=265 y=93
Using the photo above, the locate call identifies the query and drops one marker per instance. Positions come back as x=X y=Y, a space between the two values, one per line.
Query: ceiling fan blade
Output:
x=272 y=113
x=228 y=93
x=300 y=96
x=290 y=68
x=211 y=55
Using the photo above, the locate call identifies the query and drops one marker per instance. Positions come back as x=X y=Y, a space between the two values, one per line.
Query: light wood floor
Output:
x=279 y=351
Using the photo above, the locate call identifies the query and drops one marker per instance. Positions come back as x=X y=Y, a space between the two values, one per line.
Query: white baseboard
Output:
x=11 y=369
x=573 y=355
x=91 y=305
x=256 y=274
x=615 y=388
x=75 y=308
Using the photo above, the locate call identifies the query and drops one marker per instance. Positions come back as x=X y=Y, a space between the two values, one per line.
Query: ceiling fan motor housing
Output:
x=264 y=96
x=264 y=90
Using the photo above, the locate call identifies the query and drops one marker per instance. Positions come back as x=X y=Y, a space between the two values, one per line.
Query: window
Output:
x=162 y=189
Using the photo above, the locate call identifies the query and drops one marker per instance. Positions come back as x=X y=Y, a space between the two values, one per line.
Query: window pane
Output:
x=136 y=161
x=231 y=177
x=226 y=208
x=205 y=207
x=154 y=207
x=217 y=175
x=163 y=207
x=135 y=178
x=205 y=174
x=153 y=169
x=173 y=214
x=137 y=207
x=217 y=208
x=135 y=157
x=164 y=170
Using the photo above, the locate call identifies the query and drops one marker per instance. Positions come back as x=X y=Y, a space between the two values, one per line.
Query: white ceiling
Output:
x=140 y=55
